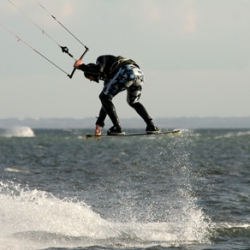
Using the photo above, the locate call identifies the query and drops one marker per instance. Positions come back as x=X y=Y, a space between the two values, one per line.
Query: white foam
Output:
x=16 y=170
x=37 y=219
x=19 y=132
x=234 y=134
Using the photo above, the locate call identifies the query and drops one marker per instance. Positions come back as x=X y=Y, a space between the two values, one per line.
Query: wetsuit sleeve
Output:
x=83 y=67
x=93 y=68
x=101 y=118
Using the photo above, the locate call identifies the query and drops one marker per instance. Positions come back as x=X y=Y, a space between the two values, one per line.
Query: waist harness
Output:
x=120 y=62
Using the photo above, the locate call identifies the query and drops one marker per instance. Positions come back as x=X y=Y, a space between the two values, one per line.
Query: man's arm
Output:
x=89 y=68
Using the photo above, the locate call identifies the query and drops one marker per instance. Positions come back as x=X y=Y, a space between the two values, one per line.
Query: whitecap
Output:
x=19 y=132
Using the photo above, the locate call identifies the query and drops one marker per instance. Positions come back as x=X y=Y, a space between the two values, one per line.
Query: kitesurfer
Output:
x=118 y=74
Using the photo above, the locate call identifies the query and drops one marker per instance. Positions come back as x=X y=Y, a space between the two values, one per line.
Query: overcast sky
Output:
x=195 y=55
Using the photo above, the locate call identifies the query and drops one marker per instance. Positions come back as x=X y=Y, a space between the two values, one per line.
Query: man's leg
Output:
x=110 y=90
x=140 y=109
x=110 y=109
x=133 y=97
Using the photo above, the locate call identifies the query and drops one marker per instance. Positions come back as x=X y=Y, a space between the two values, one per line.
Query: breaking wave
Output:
x=18 y=132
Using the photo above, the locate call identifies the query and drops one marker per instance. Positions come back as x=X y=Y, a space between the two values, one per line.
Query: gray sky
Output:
x=195 y=55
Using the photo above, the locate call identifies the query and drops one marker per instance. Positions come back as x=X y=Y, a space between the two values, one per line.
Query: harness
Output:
x=120 y=62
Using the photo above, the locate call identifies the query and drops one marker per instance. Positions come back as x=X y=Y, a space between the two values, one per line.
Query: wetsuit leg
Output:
x=101 y=118
x=140 y=109
x=109 y=107
x=110 y=90
x=134 y=93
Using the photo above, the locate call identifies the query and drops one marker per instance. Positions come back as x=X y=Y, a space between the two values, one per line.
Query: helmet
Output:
x=95 y=76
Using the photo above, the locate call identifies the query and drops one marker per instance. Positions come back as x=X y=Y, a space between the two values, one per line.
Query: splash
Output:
x=165 y=211
x=33 y=210
x=36 y=219
x=19 y=132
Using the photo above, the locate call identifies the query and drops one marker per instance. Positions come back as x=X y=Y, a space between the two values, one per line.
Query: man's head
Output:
x=92 y=76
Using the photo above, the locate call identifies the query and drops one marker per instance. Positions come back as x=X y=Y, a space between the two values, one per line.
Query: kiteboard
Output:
x=174 y=132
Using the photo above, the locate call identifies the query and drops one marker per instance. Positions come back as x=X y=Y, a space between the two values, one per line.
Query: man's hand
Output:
x=78 y=63
x=98 y=130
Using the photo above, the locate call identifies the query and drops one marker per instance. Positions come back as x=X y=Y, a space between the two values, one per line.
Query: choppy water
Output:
x=61 y=191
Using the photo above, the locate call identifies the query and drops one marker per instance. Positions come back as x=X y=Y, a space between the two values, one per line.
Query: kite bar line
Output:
x=63 y=48
x=62 y=25
x=19 y=39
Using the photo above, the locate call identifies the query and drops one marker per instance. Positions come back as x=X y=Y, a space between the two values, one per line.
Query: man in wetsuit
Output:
x=118 y=74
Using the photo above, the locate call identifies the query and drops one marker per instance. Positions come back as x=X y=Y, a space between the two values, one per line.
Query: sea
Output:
x=59 y=190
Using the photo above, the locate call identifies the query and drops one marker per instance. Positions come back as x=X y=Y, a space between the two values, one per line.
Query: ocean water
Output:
x=61 y=191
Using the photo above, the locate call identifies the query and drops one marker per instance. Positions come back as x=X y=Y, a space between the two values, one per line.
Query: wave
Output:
x=222 y=232
x=16 y=170
x=234 y=134
x=18 y=132
x=37 y=219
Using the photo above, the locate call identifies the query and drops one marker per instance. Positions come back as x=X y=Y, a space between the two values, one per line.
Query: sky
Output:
x=195 y=56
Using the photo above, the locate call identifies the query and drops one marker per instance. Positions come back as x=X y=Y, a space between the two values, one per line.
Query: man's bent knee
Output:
x=132 y=104
x=104 y=97
x=105 y=100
